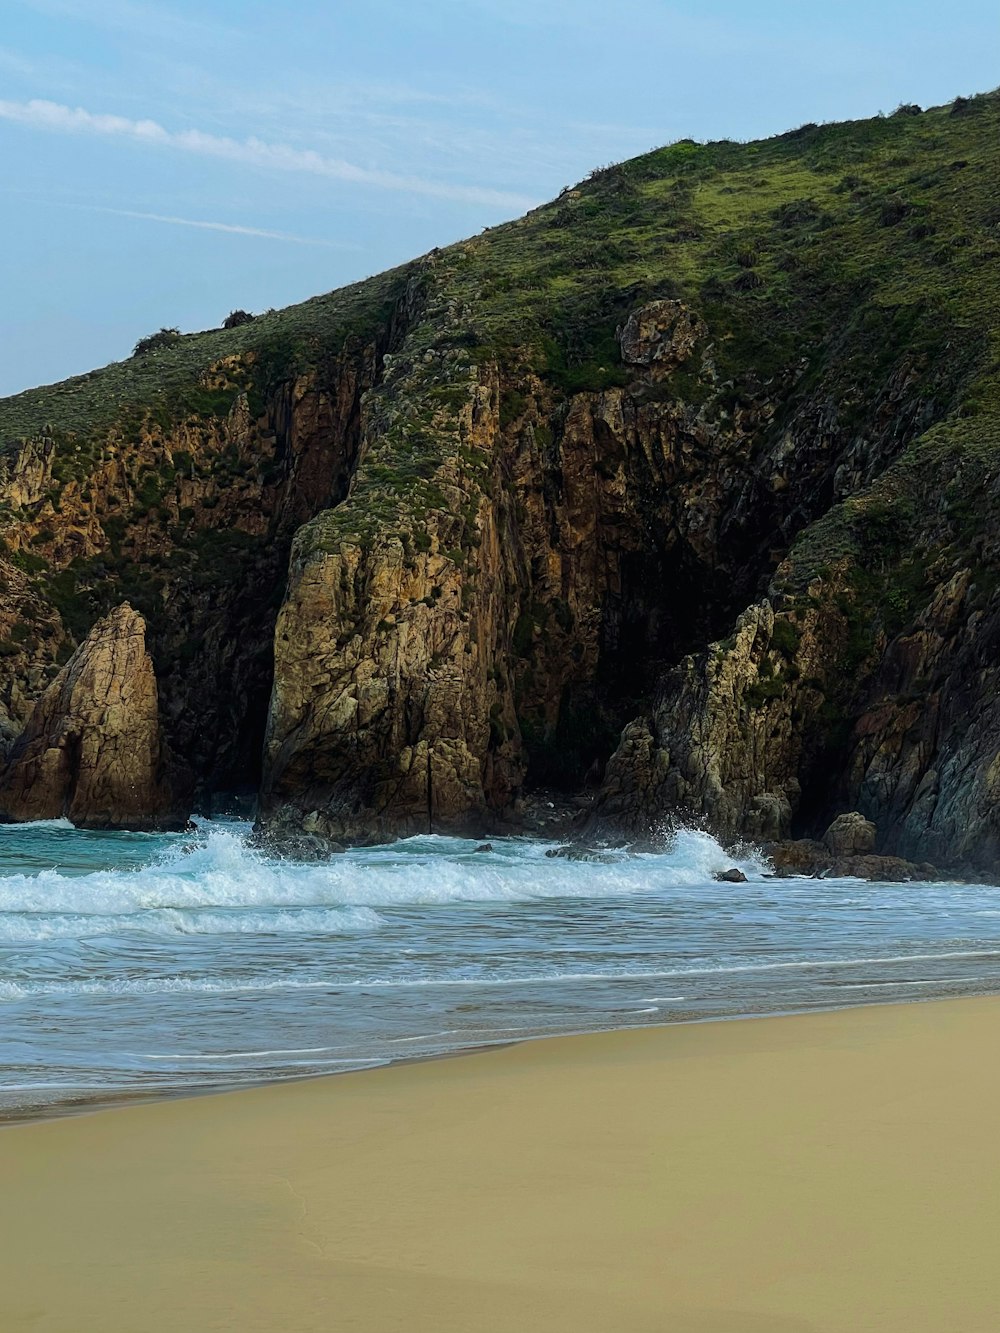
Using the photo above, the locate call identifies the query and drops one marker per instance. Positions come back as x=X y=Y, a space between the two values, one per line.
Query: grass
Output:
x=560 y=279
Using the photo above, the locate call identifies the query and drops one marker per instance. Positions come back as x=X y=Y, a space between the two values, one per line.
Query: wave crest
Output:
x=216 y=883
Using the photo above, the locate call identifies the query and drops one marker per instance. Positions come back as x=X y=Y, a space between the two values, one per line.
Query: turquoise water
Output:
x=142 y=964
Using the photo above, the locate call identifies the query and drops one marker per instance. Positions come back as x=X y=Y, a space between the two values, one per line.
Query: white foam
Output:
x=219 y=885
x=231 y=1055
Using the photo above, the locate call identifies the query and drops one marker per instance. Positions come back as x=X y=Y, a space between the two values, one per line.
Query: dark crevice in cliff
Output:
x=717 y=501
x=316 y=428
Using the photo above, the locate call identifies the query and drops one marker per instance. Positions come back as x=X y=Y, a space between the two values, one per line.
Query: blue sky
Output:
x=166 y=162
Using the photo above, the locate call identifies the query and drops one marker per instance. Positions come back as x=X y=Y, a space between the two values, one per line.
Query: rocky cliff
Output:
x=678 y=490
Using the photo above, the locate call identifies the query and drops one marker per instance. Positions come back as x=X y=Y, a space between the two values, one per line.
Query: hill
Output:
x=682 y=485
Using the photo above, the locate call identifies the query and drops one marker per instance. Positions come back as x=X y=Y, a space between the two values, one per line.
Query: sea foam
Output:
x=215 y=883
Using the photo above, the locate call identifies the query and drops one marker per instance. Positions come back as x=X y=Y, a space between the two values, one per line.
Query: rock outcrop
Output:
x=92 y=750
x=725 y=740
x=380 y=717
x=806 y=856
x=820 y=701
x=661 y=335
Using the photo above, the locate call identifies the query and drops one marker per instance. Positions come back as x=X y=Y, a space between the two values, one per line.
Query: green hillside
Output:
x=460 y=453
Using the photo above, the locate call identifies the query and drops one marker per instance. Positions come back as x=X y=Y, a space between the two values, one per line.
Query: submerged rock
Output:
x=92 y=749
x=293 y=840
x=572 y=852
x=731 y=876
x=304 y=847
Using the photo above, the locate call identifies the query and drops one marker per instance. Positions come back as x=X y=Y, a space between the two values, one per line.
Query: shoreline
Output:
x=125 y=1100
x=814 y=1173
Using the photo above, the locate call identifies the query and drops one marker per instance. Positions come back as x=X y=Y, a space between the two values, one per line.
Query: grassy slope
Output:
x=891 y=213
x=899 y=212
x=88 y=405
x=838 y=246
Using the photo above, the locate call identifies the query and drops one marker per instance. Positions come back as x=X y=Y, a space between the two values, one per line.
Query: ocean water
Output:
x=134 y=964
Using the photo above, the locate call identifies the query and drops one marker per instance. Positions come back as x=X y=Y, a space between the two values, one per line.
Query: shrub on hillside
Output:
x=237 y=317
x=162 y=338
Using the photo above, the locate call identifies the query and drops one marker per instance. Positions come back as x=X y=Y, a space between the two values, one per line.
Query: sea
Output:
x=142 y=965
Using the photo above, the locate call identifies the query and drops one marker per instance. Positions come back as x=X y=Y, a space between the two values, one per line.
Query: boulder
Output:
x=807 y=857
x=731 y=876
x=889 y=869
x=850 y=835
x=295 y=838
x=798 y=856
x=92 y=749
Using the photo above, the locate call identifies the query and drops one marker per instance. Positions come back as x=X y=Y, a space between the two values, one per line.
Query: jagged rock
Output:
x=309 y=847
x=288 y=834
x=92 y=749
x=800 y=856
x=708 y=749
x=768 y=815
x=850 y=835
x=382 y=705
x=731 y=876
x=661 y=335
x=805 y=856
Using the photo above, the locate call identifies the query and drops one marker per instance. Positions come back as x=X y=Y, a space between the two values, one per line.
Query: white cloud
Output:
x=252 y=152
x=233 y=228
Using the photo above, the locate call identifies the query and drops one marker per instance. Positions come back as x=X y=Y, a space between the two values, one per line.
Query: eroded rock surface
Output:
x=92 y=749
x=662 y=334
x=850 y=835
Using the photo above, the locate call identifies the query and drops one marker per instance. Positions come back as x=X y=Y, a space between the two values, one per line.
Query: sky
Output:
x=166 y=162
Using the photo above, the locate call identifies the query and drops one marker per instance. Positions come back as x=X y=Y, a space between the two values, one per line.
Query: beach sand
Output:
x=835 y=1171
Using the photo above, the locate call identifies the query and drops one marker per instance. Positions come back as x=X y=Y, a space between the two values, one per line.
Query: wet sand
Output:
x=805 y=1174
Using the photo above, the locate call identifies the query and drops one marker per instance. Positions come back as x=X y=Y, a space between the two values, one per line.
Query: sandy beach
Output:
x=805 y=1174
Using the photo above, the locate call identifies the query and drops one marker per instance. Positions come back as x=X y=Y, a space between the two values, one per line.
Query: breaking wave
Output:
x=156 y=963
x=219 y=885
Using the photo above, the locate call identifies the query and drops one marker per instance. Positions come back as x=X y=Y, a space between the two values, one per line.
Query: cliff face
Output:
x=380 y=714
x=92 y=750
x=501 y=587
x=678 y=489
x=189 y=513
x=870 y=684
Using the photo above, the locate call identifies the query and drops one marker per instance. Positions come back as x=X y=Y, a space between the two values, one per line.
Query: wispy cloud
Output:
x=234 y=228
x=252 y=152
x=143 y=20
